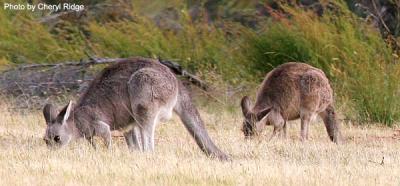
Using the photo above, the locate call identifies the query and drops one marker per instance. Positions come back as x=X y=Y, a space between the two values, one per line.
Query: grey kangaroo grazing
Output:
x=132 y=95
x=291 y=91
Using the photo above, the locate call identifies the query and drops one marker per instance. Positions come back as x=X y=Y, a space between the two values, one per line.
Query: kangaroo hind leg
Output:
x=149 y=91
x=306 y=117
x=147 y=119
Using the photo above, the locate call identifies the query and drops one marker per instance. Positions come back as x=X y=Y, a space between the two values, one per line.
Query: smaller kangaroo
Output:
x=291 y=91
x=133 y=96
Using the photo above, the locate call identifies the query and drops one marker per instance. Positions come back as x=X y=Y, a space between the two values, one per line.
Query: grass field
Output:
x=25 y=159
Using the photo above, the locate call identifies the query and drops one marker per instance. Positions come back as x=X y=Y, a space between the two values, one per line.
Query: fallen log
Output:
x=175 y=67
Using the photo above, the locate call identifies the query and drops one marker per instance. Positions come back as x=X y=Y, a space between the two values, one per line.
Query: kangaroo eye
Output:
x=57 y=139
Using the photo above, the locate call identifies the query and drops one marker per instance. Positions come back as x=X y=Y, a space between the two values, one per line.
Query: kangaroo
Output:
x=133 y=96
x=288 y=92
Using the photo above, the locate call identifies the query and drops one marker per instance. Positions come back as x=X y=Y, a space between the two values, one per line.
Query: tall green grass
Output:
x=199 y=47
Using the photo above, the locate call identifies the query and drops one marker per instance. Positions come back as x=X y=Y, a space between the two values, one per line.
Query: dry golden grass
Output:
x=25 y=160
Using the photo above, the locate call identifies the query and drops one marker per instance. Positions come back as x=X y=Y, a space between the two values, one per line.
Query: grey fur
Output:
x=291 y=91
x=134 y=94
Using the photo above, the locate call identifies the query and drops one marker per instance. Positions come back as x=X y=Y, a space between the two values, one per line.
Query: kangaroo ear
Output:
x=245 y=103
x=263 y=113
x=65 y=113
x=49 y=113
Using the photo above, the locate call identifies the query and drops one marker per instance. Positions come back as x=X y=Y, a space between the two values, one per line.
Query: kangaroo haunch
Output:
x=132 y=95
x=288 y=92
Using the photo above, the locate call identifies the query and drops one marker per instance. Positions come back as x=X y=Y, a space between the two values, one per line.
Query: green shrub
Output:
x=276 y=46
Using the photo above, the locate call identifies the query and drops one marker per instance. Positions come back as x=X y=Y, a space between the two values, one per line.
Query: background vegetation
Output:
x=230 y=43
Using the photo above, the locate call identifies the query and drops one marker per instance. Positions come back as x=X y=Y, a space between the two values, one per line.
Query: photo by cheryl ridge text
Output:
x=44 y=6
